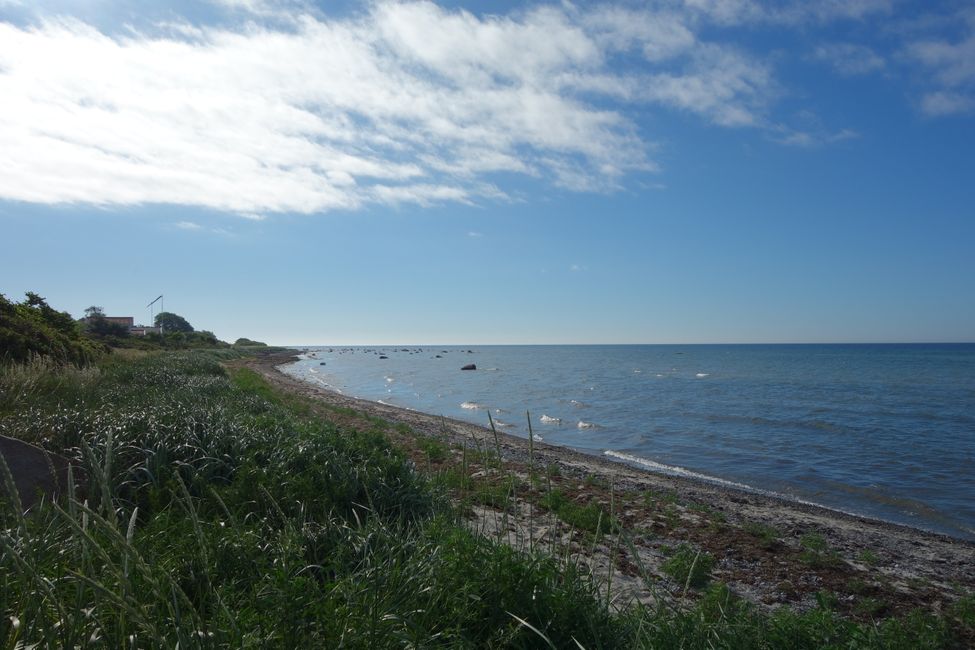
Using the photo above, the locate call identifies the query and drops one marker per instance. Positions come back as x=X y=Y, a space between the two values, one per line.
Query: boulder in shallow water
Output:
x=383 y=356
x=322 y=363
x=469 y=366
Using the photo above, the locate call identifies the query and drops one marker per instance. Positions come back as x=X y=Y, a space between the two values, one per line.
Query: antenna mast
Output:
x=162 y=308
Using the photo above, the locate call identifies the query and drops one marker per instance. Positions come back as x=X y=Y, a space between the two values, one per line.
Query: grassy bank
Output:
x=218 y=512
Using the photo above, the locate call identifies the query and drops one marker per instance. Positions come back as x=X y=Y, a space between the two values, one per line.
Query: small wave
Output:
x=587 y=425
x=702 y=375
x=537 y=438
x=579 y=405
x=545 y=419
x=472 y=406
x=501 y=424
x=675 y=470
x=499 y=410
x=390 y=380
x=313 y=371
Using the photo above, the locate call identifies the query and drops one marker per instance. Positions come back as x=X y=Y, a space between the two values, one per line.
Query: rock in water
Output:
x=469 y=366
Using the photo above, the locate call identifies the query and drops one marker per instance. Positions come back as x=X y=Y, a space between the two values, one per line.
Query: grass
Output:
x=688 y=567
x=766 y=536
x=816 y=552
x=590 y=517
x=220 y=513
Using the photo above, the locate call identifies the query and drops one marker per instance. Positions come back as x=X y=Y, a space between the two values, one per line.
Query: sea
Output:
x=883 y=431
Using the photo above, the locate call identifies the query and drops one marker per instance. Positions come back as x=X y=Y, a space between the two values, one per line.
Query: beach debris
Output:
x=469 y=366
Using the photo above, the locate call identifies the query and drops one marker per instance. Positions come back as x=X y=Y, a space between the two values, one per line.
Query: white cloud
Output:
x=475 y=235
x=789 y=12
x=952 y=65
x=815 y=138
x=946 y=103
x=188 y=225
x=722 y=84
x=404 y=102
x=849 y=59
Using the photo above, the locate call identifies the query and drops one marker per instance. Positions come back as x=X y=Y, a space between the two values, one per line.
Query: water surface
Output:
x=886 y=431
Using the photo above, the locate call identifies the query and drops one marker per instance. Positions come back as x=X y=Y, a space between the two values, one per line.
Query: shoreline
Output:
x=911 y=556
x=636 y=465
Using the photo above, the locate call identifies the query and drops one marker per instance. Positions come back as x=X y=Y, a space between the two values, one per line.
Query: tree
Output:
x=100 y=327
x=171 y=322
x=33 y=327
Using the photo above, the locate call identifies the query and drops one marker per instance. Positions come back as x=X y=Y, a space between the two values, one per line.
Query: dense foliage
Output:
x=33 y=327
x=171 y=322
x=244 y=342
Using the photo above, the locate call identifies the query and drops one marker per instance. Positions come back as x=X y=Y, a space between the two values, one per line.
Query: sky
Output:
x=666 y=171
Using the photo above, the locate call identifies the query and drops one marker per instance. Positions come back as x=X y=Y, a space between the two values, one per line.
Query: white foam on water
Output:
x=587 y=425
x=545 y=419
x=537 y=438
x=675 y=470
x=702 y=375
x=472 y=406
x=389 y=380
x=499 y=423
x=579 y=405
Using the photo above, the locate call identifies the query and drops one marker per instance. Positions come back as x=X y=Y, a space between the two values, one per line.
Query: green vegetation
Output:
x=689 y=567
x=247 y=343
x=170 y=322
x=32 y=327
x=591 y=517
x=816 y=553
x=767 y=536
x=96 y=325
x=215 y=516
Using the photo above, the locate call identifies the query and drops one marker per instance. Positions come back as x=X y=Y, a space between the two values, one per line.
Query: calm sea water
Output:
x=886 y=431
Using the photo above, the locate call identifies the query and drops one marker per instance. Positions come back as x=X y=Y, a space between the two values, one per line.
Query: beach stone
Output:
x=36 y=472
x=469 y=366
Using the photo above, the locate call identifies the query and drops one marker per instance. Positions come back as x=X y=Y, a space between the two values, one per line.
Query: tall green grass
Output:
x=217 y=513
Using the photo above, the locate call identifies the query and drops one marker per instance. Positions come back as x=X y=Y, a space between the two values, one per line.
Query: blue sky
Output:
x=412 y=172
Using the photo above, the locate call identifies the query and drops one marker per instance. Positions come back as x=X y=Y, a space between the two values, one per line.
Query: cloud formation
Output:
x=406 y=103
x=952 y=64
x=279 y=108
x=849 y=59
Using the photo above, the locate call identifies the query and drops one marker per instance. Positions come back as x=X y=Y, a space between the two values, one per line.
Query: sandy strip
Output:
x=914 y=565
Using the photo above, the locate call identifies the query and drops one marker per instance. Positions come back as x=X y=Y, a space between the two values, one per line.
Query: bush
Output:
x=32 y=328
